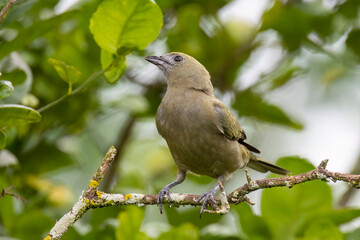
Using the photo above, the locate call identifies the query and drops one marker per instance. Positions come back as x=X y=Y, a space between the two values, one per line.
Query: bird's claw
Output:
x=206 y=197
x=165 y=191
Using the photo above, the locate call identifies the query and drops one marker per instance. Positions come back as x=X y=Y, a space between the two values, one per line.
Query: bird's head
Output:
x=182 y=71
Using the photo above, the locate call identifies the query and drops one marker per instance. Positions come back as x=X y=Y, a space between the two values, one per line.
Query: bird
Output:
x=203 y=135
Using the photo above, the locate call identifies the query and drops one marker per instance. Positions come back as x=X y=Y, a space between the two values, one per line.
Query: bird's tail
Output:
x=261 y=165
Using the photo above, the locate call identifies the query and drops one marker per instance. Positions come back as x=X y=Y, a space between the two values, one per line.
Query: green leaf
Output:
x=13 y=114
x=130 y=222
x=5 y=88
x=177 y=217
x=353 y=40
x=286 y=210
x=350 y=9
x=323 y=229
x=185 y=231
x=32 y=223
x=68 y=73
x=284 y=75
x=323 y=25
x=38 y=29
x=43 y=151
x=248 y=103
x=16 y=77
x=292 y=23
x=341 y=216
x=294 y=164
x=2 y=139
x=117 y=68
x=253 y=226
x=125 y=23
x=354 y=235
x=337 y=217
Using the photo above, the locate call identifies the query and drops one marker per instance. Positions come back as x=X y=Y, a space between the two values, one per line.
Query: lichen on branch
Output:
x=93 y=198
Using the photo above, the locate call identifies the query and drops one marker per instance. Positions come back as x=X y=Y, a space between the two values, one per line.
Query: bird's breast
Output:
x=188 y=124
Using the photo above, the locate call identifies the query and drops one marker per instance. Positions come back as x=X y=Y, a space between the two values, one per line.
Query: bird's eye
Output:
x=178 y=58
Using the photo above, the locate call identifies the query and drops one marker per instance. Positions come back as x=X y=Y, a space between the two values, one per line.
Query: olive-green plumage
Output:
x=203 y=135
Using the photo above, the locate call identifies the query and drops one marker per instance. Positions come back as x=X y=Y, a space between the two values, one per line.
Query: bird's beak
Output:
x=157 y=60
x=154 y=60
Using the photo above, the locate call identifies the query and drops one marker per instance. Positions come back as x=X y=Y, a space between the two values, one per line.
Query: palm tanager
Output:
x=203 y=135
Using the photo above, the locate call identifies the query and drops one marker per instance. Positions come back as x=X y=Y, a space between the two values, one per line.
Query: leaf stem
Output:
x=77 y=90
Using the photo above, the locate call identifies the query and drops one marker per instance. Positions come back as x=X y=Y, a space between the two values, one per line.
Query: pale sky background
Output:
x=332 y=130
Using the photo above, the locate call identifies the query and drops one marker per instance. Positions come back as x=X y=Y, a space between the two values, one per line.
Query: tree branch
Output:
x=320 y=173
x=92 y=198
x=350 y=191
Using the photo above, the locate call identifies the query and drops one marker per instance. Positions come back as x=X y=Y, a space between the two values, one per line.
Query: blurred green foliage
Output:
x=50 y=153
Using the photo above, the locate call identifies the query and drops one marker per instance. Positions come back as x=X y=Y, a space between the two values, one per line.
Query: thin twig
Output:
x=92 y=198
x=6 y=9
x=5 y=191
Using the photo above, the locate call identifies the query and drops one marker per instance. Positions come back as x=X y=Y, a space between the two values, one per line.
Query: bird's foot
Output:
x=209 y=196
x=165 y=191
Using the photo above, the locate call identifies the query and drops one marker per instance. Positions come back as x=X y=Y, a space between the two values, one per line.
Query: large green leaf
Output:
x=5 y=88
x=353 y=41
x=286 y=211
x=130 y=222
x=323 y=229
x=253 y=226
x=248 y=103
x=337 y=217
x=2 y=139
x=13 y=114
x=125 y=23
x=185 y=231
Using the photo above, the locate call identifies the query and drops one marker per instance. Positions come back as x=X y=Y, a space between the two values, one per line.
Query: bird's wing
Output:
x=227 y=123
x=229 y=126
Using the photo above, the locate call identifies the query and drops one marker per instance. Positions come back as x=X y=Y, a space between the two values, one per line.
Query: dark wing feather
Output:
x=248 y=146
x=230 y=127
